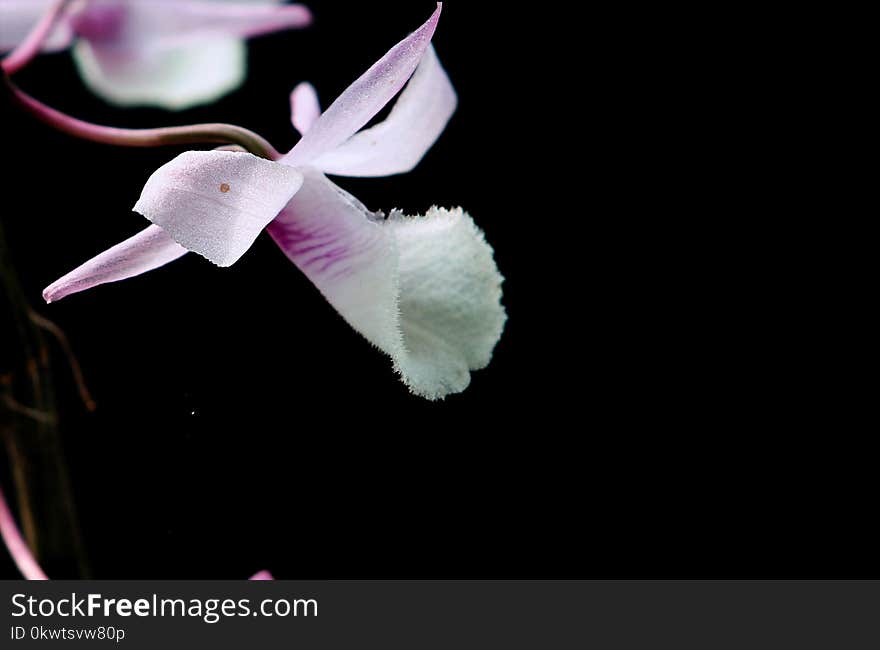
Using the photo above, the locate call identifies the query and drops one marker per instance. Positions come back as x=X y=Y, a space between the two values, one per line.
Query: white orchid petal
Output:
x=450 y=308
x=171 y=54
x=425 y=290
x=342 y=249
x=147 y=250
x=398 y=143
x=135 y=25
x=215 y=203
x=174 y=78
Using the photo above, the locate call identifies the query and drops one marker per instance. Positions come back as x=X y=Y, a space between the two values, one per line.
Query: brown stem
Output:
x=35 y=451
x=78 y=378
x=173 y=135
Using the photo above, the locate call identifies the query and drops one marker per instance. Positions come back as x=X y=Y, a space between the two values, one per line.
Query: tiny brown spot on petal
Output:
x=224 y=187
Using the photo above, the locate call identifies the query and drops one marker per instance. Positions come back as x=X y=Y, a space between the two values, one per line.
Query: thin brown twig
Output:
x=41 y=321
x=14 y=406
x=19 y=479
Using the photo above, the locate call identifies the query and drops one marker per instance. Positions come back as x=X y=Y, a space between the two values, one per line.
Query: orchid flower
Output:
x=168 y=53
x=424 y=289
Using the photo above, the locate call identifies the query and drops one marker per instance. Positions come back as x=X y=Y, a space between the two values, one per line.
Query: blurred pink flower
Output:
x=168 y=53
x=25 y=560
x=425 y=289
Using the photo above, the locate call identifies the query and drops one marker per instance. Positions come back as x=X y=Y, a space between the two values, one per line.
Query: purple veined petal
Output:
x=398 y=143
x=424 y=290
x=365 y=97
x=262 y=575
x=17 y=17
x=304 y=107
x=147 y=250
x=215 y=203
x=343 y=250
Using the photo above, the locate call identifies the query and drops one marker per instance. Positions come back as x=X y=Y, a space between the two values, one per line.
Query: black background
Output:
x=642 y=414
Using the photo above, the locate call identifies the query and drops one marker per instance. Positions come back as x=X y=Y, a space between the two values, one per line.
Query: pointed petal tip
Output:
x=432 y=21
x=397 y=144
x=50 y=294
x=291 y=16
x=147 y=250
x=305 y=14
x=365 y=96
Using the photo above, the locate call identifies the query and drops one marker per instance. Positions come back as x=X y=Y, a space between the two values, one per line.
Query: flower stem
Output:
x=173 y=135
x=18 y=549
x=33 y=43
x=76 y=370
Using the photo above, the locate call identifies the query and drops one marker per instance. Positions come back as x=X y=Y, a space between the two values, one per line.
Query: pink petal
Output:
x=366 y=96
x=148 y=250
x=216 y=203
x=304 y=107
x=261 y=575
x=399 y=143
x=153 y=24
x=244 y=19
x=172 y=54
x=18 y=548
x=343 y=250
x=17 y=17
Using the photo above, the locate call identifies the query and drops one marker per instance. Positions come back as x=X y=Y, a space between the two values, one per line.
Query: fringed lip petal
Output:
x=147 y=250
x=216 y=203
x=449 y=301
x=398 y=143
x=424 y=290
x=304 y=107
x=365 y=97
